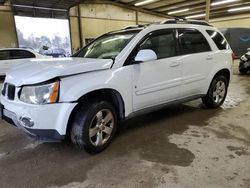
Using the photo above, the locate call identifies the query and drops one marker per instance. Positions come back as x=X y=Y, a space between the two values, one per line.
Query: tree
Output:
x=57 y=42
x=21 y=40
x=37 y=43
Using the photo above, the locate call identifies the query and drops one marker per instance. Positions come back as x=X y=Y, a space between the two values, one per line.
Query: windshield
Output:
x=107 y=46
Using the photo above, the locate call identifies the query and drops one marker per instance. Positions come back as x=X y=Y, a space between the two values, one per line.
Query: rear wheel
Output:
x=94 y=126
x=217 y=92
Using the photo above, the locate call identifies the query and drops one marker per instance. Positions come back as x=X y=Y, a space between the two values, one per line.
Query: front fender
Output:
x=74 y=87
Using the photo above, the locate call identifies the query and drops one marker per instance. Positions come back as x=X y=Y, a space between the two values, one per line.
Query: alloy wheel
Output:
x=101 y=127
x=219 y=92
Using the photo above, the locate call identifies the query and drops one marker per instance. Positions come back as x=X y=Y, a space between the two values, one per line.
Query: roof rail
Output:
x=184 y=21
x=134 y=26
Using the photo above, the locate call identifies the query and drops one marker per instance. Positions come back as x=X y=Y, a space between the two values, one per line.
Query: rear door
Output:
x=197 y=59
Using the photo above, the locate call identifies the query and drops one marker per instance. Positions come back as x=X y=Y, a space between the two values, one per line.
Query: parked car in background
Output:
x=12 y=56
x=56 y=52
x=119 y=75
x=244 y=66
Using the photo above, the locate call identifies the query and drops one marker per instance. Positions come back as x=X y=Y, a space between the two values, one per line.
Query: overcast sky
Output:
x=42 y=26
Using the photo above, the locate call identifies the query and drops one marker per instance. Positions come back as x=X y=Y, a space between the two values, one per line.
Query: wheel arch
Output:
x=224 y=71
x=110 y=95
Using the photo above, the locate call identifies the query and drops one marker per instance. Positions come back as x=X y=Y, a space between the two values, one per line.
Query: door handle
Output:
x=210 y=57
x=175 y=64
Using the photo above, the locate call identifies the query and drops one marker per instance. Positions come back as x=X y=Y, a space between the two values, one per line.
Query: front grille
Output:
x=11 y=92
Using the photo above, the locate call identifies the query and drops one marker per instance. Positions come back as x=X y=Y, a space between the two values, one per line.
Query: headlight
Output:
x=243 y=58
x=40 y=94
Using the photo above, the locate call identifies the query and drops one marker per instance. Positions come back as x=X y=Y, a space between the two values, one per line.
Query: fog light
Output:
x=27 y=122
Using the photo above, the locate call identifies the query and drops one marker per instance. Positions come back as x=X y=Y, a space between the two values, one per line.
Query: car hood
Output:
x=40 y=70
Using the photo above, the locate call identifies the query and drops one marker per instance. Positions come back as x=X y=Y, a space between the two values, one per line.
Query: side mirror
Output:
x=145 y=55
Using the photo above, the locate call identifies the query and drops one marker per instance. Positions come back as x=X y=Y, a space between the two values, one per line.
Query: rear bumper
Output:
x=50 y=121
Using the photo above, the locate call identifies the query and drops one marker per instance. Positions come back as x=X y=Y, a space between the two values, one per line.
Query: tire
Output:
x=94 y=126
x=243 y=70
x=217 y=92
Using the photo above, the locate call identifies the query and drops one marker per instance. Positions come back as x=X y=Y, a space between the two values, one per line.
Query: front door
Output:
x=157 y=82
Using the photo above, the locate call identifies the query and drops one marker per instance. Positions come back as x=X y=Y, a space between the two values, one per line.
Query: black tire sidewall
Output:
x=243 y=70
x=211 y=90
x=83 y=120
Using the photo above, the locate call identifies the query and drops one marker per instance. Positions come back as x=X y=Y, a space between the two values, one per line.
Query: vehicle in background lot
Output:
x=11 y=56
x=244 y=66
x=117 y=76
x=56 y=52
x=238 y=39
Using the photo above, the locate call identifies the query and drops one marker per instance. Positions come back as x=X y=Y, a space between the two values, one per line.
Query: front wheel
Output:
x=94 y=126
x=217 y=92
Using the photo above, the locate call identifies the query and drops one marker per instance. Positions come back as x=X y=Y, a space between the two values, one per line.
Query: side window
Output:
x=192 y=41
x=163 y=44
x=4 y=55
x=21 y=54
x=218 y=39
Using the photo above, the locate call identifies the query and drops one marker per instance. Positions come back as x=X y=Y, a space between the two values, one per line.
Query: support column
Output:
x=208 y=4
x=79 y=25
x=8 y=34
x=136 y=17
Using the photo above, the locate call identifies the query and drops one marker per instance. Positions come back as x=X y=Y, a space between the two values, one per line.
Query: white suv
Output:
x=119 y=75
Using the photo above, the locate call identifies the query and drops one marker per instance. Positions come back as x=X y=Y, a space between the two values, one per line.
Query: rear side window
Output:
x=218 y=39
x=192 y=41
x=21 y=54
x=4 y=54
x=162 y=43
